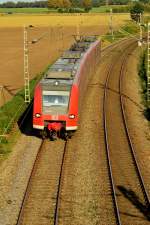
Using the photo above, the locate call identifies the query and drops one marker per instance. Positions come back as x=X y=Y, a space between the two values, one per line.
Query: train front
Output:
x=55 y=108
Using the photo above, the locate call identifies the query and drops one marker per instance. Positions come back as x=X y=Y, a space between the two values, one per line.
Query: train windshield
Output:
x=55 y=101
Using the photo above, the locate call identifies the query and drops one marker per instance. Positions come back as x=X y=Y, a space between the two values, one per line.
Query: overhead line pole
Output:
x=148 y=66
x=111 y=24
x=27 y=97
x=1 y=89
x=141 y=31
x=26 y=67
x=78 y=28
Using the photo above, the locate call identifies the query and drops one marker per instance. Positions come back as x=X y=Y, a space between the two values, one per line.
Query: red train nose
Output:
x=54 y=126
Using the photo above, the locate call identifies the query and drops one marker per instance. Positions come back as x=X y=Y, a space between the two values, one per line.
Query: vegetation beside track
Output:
x=143 y=80
x=9 y=116
x=130 y=28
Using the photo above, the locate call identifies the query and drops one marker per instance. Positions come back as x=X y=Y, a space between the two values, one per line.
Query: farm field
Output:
x=57 y=34
x=17 y=20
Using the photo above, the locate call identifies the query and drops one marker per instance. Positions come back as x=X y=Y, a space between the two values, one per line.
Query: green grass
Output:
x=142 y=71
x=125 y=31
x=101 y=9
x=13 y=109
x=104 y=9
x=10 y=114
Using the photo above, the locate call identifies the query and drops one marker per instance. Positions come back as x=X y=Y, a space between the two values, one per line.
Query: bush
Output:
x=121 y=9
x=70 y=10
x=87 y=9
x=60 y=10
x=136 y=10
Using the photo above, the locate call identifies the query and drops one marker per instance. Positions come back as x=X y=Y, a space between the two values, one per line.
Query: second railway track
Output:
x=130 y=197
x=41 y=200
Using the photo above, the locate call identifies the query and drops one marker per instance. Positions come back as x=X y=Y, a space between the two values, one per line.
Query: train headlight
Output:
x=71 y=116
x=37 y=115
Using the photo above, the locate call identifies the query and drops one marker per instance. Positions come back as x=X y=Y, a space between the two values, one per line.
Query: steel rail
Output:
x=56 y=213
x=116 y=207
x=57 y=207
x=137 y=167
x=28 y=185
x=114 y=45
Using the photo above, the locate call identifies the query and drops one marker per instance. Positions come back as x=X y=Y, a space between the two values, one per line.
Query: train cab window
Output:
x=55 y=98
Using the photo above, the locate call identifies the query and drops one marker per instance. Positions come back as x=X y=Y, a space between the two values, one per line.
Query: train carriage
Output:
x=59 y=95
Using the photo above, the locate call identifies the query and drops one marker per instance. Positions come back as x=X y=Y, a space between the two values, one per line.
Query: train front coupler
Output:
x=54 y=128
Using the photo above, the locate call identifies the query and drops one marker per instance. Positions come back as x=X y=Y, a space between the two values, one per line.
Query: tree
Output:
x=52 y=4
x=120 y=2
x=66 y=4
x=87 y=5
x=145 y=1
x=136 y=10
x=9 y=4
x=76 y=3
x=95 y=3
x=55 y=4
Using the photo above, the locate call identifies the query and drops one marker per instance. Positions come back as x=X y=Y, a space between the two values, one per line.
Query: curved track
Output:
x=130 y=197
x=44 y=186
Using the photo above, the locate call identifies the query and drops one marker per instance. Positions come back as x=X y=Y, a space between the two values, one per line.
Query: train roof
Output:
x=67 y=65
x=56 y=84
x=64 y=68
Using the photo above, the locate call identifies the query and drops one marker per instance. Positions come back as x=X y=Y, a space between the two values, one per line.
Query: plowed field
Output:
x=56 y=33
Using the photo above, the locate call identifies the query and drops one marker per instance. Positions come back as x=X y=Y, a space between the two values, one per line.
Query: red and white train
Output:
x=59 y=95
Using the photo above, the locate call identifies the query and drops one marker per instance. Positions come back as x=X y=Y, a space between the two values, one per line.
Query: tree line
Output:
x=66 y=3
x=21 y=4
x=72 y=3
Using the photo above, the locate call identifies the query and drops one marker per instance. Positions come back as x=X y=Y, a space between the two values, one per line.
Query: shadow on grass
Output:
x=25 y=121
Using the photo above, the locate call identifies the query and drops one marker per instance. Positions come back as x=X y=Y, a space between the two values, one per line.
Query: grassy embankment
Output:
x=9 y=116
x=143 y=81
x=127 y=30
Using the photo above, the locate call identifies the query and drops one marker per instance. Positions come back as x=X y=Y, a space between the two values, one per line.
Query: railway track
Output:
x=131 y=200
x=25 y=215
x=44 y=186
x=50 y=190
